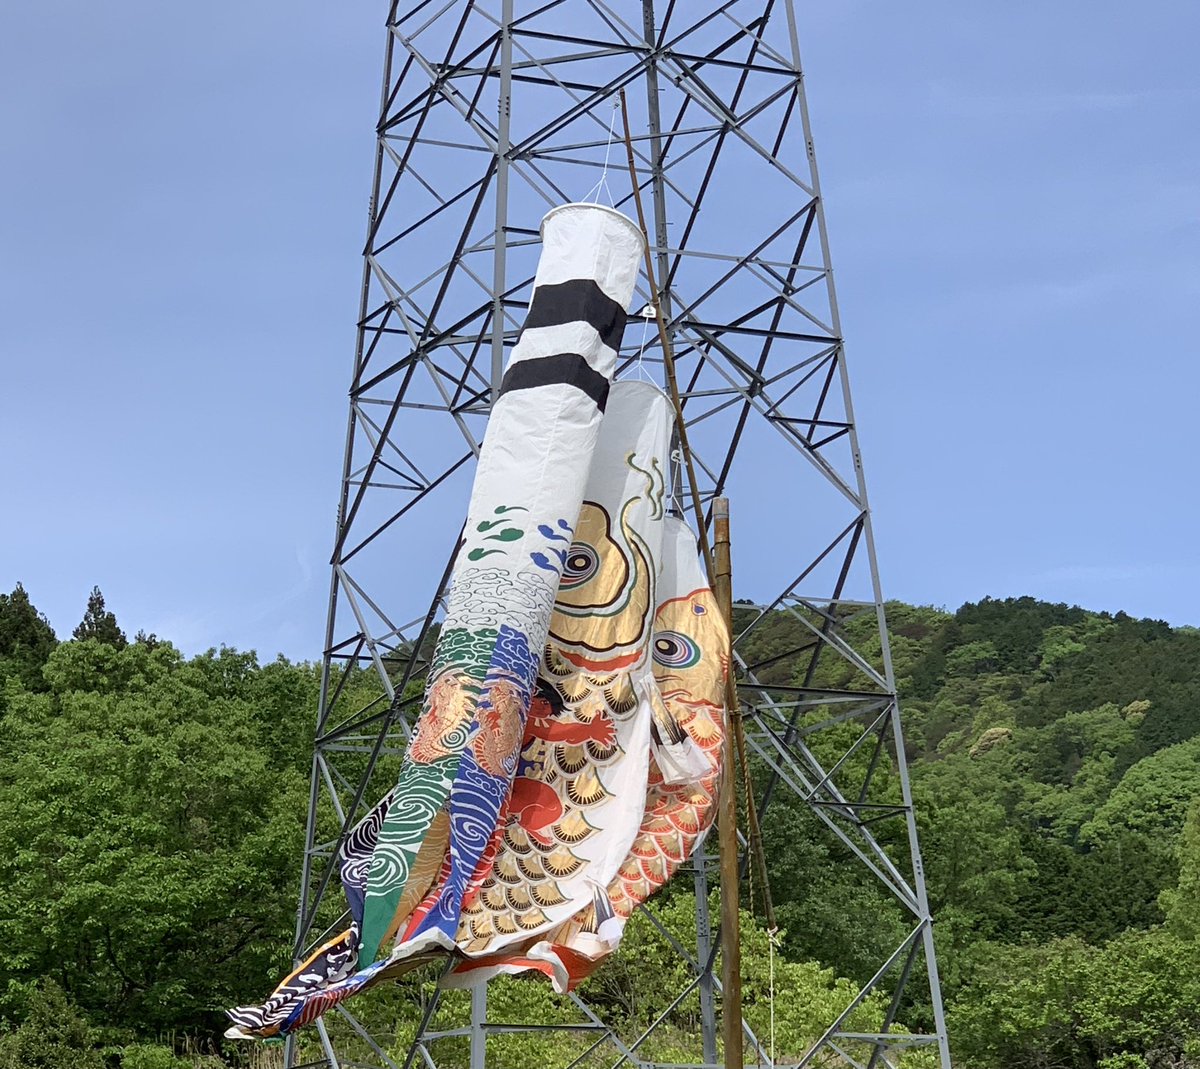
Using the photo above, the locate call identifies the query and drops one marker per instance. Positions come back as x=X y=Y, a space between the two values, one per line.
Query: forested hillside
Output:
x=151 y=823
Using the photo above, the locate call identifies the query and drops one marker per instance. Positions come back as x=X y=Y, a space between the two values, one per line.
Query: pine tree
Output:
x=150 y=641
x=100 y=624
x=26 y=639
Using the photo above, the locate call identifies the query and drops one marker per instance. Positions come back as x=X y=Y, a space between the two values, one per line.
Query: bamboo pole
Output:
x=731 y=950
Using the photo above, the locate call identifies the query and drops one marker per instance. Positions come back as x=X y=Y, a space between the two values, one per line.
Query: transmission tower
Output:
x=493 y=112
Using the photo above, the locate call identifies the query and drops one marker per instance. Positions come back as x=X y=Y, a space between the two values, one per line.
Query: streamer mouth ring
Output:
x=576 y=206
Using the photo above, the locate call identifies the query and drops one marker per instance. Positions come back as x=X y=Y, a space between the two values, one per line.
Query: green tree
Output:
x=975 y=868
x=52 y=1035
x=1059 y=644
x=148 y=845
x=1152 y=798
x=1143 y=997
x=973 y=658
x=833 y=916
x=100 y=624
x=1095 y=894
x=26 y=639
x=1181 y=903
x=1022 y=1006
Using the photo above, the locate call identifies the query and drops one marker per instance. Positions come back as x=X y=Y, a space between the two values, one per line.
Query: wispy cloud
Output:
x=274 y=612
x=950 y=100
x=1115 y=572
x=1037 y=297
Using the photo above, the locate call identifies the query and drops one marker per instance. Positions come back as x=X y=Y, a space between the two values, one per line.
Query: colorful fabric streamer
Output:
x=527 y=495
x=566 y=757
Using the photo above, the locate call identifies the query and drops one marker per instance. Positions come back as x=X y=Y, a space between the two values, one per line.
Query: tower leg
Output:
x=479 y=1003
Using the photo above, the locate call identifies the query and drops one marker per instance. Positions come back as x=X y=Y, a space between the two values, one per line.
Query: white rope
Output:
x=642 y=372
x=602 y=185
x=771 y=937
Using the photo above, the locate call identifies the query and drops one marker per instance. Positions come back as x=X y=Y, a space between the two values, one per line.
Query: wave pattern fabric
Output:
x=525 y=503
x=329 y=963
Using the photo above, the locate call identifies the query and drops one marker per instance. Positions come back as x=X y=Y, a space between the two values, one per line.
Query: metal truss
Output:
x=493 y=112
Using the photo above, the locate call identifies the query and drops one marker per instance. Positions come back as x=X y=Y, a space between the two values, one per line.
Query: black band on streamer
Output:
x=578 y=300
x=568 y=369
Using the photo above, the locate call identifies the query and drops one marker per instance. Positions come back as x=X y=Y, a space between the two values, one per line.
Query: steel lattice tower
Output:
x=492 y=112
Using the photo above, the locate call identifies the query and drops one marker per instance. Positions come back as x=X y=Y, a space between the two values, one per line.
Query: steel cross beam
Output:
x=491 y=112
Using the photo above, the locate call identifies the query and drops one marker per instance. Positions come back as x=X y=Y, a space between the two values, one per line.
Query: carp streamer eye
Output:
x=673 y=650
x=581 y=564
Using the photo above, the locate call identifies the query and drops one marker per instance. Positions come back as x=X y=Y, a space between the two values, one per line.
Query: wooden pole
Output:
x=734 y=753
x=731 y=950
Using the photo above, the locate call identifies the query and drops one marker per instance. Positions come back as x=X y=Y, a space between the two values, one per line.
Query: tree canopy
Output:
x=100 y=624
x=26 y=639
x=151 y=829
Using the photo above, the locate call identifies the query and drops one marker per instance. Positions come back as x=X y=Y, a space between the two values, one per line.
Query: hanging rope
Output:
x=602 y=185
x=757 y=852
x=772 y=938
x=642 y=373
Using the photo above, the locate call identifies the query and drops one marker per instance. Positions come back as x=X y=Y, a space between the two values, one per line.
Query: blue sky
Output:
x=1013 y=196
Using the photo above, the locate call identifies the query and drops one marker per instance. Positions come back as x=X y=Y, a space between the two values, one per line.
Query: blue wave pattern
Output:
x=477 y=796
